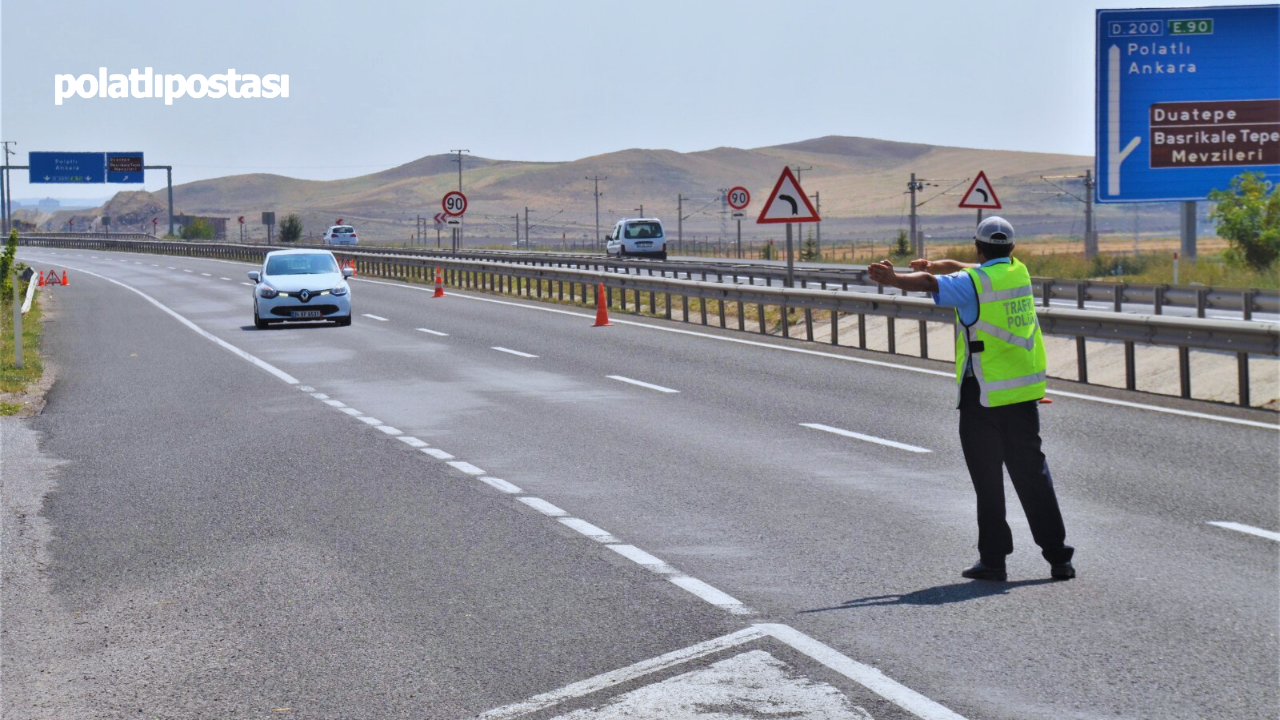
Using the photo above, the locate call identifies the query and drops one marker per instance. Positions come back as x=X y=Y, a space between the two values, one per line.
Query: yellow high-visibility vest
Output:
x=1004 y=344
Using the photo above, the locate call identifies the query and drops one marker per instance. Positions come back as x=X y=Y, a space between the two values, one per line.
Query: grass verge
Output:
x=13 y=380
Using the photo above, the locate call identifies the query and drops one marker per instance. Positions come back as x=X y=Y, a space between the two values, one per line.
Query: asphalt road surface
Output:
x=242 y=533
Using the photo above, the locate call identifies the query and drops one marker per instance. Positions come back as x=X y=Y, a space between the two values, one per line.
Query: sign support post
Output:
x=791 y=260
x=17 y=324
x=1188 y=217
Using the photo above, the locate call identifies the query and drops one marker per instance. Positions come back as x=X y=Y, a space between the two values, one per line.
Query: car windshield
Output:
x=344 y=230
x=644 y=230
x=308 y=264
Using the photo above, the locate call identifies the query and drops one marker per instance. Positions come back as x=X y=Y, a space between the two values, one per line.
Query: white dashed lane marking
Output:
x=433 y=332
x=1247 y=529
x=411 y=441
x=374 y=317
x=866 y=438
x=542 y=506
x=500 y=484
x=588 y=529
x=651 y=386
x=368 y=420
x=517 y=353
x=465 y=467
x=437 y=453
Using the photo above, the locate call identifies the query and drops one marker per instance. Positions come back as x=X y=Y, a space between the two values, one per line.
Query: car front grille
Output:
x=287 y=310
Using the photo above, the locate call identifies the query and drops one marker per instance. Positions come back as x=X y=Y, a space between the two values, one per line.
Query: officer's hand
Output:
x=882 y=272
x=920 y=265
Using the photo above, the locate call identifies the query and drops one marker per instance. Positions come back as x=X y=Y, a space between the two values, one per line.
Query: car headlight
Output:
x=340 y=290
x=266 y=291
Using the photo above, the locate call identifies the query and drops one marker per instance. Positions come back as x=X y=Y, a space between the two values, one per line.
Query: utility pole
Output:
x=1090 y=234
x=516 y=217
x=799 y=171
x=641 y=209
x=457 y=231
x=527 y=245
x=817 y=199
x=6 y=197
x=680 y=223
x=916 y=245
x=596 y=193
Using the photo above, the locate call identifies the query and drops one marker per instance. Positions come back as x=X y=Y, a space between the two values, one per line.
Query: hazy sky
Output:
x=376 y=83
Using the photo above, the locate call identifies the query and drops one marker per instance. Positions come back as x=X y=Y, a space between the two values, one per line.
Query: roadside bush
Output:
x=291 y=228
x=769 y=251
x=902 y=247
x=809 y=250
x=6 y=264
x=1248 y=218
x=197 y=229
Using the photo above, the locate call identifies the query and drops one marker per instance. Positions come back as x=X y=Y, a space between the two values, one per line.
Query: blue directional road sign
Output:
x=67 y=167
x=1186 y=100
x=124 y=167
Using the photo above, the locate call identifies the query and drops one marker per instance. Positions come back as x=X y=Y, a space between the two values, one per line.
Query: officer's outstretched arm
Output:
x=940 y=267
x=883 y=273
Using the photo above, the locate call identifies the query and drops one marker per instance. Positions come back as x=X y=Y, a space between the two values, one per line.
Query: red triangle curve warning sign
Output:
x=788 y=203
x=981 y=196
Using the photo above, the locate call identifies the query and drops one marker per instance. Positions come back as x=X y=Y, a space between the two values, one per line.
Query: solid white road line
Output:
x=866 y=438
x=499 y=484
x=374 y=317
x=433 y=332
x=643 y=559
x=651 y=386
x=542 y=506
x=865 y=675
x=437 y=453
x=517 y=353
x=368 y=420
x=411 y=441
x=465 y=467
x=623 y=675
x=588 y=529
x=845 y=358
x=713 y=595
x=196 y=328
x=1249 y=529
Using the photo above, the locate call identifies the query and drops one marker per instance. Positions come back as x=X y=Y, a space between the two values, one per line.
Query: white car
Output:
x=340 y=235
x=300 y=285
x=637 y=237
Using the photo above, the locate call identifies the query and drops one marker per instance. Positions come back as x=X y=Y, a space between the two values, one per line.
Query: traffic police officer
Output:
x=1000 y=371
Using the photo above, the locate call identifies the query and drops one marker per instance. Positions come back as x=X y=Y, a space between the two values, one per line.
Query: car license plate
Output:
x=644 y=244
x=305 y=314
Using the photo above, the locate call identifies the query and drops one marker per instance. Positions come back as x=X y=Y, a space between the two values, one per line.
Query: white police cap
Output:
x=995 y=230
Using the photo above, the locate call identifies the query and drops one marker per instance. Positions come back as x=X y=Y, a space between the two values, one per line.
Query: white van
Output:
x=637 y=237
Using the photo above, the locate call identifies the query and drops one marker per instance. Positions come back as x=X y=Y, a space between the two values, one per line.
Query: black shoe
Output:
x=978 y=571
x=1062 y=571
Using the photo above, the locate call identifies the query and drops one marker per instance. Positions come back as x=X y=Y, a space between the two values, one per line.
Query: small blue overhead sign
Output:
x=67 y=167
x=1187 y=99
x=124 y=167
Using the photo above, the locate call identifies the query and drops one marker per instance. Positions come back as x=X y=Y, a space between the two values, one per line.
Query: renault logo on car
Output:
x=305 y=295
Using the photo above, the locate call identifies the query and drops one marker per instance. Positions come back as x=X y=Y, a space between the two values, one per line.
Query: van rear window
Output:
x=641 y=230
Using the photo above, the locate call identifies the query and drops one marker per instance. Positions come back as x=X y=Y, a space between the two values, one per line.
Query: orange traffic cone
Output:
x=439 y=285
x=64 y=277
x=602 y=308
x=41 y=283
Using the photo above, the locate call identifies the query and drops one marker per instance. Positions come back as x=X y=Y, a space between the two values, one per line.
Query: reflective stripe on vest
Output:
x=1011 y=366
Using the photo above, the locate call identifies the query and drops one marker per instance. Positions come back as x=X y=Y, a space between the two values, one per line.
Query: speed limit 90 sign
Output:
x=454 y=203
x=739 y=198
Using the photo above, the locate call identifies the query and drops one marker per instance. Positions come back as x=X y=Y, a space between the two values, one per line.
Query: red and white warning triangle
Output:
x=788 y=203
x=981 y=195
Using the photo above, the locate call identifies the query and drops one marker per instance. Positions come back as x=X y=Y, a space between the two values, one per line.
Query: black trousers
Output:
x=1009 y=436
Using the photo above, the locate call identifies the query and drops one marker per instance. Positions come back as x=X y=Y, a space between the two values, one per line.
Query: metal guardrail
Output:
x=629 y=292
x=1245 y=301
